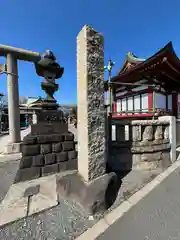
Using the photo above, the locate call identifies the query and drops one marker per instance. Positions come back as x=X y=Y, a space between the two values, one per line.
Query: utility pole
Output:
x=109 y=69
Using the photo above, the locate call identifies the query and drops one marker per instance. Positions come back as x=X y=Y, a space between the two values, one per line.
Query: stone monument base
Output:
x=12 y=148
x=95 y=196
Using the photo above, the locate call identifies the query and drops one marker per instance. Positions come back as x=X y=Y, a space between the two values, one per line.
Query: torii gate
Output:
x=13 y=54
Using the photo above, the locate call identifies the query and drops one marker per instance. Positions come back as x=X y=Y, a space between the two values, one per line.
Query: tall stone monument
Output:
x=92 y=186
x=91 y=111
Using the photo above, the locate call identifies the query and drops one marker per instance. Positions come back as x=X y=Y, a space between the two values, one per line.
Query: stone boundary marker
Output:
x=92 y=184
x=102 y=225
x=90 y=99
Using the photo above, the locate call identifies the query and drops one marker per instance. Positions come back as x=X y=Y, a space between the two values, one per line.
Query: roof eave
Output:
x=167 y=51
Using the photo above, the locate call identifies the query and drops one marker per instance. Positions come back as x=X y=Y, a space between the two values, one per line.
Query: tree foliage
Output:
x=3 y=105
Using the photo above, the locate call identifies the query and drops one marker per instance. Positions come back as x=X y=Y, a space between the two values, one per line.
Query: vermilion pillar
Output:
x=150 y=100
x=114 y=107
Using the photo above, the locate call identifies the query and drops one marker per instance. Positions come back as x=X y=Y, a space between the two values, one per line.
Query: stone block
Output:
x=50 y=138
x=56 y=147
x=50 y=169
x=68 y=136
x=96 y=196
x=147 y=133
x=72 y=155
x=57 y=138
x=149 y=148
x=72 y=164
x=44 y=139
x=30 y=150
x=14 y=206
x=38 y=160
x=49 y=128
x=26 y=162
x=27 y=174
x=61 y=157
x=12 y=148
x=45 y=148
x=68 y=146
x=49 y=158
x=62 y=166
x=29 y=139
x=50 y=116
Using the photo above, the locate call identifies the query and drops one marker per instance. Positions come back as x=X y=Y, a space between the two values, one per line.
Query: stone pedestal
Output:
x=12 y=148
x=48 y=149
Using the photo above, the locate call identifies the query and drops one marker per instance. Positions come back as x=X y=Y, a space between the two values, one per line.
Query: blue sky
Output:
x=138 y=26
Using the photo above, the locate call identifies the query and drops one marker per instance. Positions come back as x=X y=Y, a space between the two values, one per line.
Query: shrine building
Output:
x=144 y=88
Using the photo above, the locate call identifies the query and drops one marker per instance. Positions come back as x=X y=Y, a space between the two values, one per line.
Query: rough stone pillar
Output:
x=13 y=99
x=158 y=133
x=172 y=135
x=91 y=112
x=136 y=133
x=166 y=132
x=148 y=133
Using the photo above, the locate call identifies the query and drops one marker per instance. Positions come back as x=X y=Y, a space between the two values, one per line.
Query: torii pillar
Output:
x=13 y=54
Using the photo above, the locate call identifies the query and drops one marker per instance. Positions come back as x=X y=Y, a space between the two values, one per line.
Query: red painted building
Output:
x=146 y=88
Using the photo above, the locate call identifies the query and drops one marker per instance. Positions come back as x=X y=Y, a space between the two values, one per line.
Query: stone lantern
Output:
x=48 y=68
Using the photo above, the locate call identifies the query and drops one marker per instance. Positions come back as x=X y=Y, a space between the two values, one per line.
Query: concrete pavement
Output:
x=155 y=217
x=9 y=165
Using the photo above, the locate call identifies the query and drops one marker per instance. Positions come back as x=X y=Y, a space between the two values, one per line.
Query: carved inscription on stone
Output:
x=50 y=117
x=91 y=111
x=96 y=111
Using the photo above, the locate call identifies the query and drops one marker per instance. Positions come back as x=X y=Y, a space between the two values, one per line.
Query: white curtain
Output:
x=144 y=99
x=137 y=103
x=130 y=104
x=118 y=106
x=124 y=105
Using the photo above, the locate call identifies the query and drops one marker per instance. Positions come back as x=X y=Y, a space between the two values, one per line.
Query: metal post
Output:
x=110 y=92
x=13 y=99
x=109 y=68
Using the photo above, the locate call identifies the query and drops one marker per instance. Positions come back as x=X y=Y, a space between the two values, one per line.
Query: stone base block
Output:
x=12 y=148
x=96 y=196
x=14 y=205
x=50 y=169
x=27 y=174
x=150 y=161
x=144 y=161
x=48 y=128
